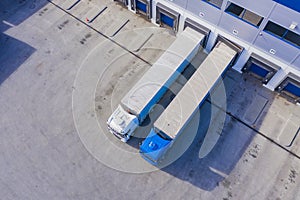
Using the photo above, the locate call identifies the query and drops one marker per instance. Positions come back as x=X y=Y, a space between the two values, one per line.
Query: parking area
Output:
x=64 y=67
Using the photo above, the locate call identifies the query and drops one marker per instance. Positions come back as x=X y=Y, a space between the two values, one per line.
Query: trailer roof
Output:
x=177 y=114
x=162 y=70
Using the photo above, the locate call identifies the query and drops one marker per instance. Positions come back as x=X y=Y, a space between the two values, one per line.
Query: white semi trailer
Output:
x=176 y=116
x=138 y=102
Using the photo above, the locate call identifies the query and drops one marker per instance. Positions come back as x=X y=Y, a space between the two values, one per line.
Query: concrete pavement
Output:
x=49 y=57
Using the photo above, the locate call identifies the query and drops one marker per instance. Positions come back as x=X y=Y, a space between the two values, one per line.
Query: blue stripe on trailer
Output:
x=258 y=70
x=162 y=91
x=166 y=20
x=291 y=88
x=141 y=6
x=152 y=103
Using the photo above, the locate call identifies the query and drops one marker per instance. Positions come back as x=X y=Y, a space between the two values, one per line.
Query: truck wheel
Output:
x=125 y=139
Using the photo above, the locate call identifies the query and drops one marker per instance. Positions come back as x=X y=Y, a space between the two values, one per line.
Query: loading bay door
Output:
x=290 y=88
x=142 y=7
x=260 y=68
x=167 y=17
x=293 y=89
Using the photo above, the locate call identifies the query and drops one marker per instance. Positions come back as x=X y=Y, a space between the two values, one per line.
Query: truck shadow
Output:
x=142 y=131
x=208 y=172
x=234 y=147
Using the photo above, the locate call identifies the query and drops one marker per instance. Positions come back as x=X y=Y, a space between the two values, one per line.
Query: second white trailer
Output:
x=176 y=116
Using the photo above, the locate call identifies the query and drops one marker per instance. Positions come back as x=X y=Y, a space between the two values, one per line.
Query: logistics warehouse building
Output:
x=268 y=31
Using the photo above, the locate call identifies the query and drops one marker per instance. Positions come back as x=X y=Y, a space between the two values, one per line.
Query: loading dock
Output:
x=167 y=17
x=198 y=27
x=142 y=7
x=232 y=45
x=290 y=88
x=260 y=68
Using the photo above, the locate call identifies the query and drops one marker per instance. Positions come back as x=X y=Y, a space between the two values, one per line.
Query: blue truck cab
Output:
x=154 y=146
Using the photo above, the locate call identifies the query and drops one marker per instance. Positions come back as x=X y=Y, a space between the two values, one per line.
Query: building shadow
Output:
x=208 y=172
x=14 y=12
x=14 y=52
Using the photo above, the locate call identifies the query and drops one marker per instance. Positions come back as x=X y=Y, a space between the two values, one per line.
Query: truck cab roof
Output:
x=120 y=119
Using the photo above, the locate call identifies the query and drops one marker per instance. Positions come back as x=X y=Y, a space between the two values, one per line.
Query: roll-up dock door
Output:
x=167 y=17
x=198 y=27
x=142 y=7
x=260 y=68
x=290 y=88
